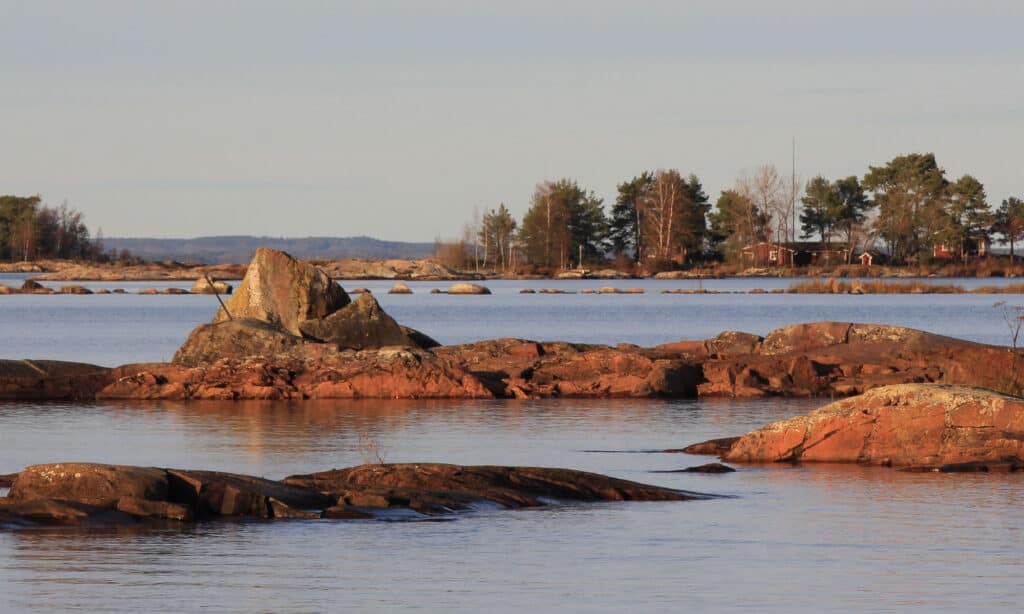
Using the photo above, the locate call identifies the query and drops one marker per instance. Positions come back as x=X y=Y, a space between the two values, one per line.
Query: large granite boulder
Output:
x=284 y=292
x=900 y=425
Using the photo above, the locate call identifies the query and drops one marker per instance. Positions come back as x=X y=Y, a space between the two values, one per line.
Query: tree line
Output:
x=905 y=208
x=30 y=229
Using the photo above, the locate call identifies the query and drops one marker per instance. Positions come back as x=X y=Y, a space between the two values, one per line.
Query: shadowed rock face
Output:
x=284 y=292
x=903 y=425
x=79 y=493
x=51 y=380
x=361 y=324
x=435 y=487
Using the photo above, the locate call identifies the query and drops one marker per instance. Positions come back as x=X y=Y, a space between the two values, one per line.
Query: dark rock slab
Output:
x=213 y=493
x=51 y=380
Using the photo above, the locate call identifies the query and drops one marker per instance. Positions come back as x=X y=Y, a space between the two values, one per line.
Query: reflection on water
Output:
x=793 y=538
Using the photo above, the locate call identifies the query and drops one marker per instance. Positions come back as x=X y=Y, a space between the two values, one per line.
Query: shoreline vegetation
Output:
x=356 y=269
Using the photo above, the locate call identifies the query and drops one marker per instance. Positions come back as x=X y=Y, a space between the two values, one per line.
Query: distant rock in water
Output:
x=400 y=288
x=202 y=286
x=284 y=292
x=467 y=288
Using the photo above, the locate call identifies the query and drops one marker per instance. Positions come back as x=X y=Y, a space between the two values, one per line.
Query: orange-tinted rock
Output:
x=389 y=373
x=901 y=425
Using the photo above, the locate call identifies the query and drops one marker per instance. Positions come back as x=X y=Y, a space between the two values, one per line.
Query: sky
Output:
x=399 y=119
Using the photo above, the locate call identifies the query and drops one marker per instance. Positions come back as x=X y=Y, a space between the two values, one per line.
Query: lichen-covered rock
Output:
x=283 y=292
x=90 y=483
x=244 y=338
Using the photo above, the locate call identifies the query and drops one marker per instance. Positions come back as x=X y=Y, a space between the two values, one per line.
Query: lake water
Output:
x=118 y=328
x=816 y=538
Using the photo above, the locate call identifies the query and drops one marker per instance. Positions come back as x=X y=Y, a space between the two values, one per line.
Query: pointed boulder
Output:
x=284 y=292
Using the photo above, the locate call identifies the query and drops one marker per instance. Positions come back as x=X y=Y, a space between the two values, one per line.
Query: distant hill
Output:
x=239 y=249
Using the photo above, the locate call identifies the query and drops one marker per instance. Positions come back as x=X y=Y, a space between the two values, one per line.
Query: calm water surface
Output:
x=116 y=329
x=787 y=539
x=804 y=539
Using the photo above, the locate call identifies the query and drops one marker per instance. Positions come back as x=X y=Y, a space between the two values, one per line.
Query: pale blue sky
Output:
x=395 y=119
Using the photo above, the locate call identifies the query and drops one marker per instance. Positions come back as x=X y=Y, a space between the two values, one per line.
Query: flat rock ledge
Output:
x=74 y=494
x=912 y=426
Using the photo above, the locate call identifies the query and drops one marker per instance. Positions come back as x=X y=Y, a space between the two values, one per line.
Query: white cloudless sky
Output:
x=395 y=119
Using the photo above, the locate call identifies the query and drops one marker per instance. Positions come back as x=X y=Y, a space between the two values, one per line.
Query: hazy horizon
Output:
x=394 y=120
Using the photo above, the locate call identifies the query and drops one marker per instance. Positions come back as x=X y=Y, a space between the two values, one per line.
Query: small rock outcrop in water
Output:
x=920 y=425
x=283 y=291
x=467 y=288
x=203 y=286
x=77 y=493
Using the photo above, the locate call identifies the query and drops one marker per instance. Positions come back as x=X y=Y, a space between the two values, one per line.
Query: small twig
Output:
x=217 y=294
